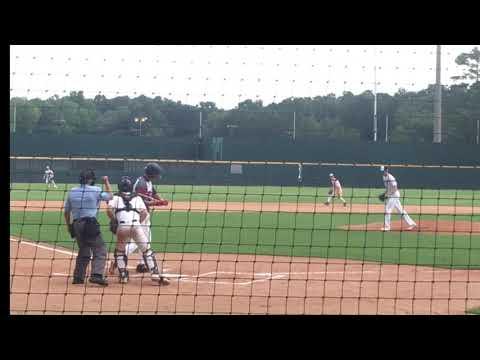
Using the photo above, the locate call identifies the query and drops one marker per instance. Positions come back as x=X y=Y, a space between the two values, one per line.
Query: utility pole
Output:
x=437 y=121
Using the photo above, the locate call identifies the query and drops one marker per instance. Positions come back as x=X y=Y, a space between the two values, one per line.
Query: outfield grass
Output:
x=474 y=311
x=21 y=191
x=312 y=235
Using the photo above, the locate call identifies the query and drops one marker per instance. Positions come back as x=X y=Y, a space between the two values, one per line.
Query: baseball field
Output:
x=262 y=250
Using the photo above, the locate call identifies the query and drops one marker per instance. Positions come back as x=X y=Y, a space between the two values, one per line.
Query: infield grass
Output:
x=290 y=234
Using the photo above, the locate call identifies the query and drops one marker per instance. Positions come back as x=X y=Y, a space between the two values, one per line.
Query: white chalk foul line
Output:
x=66 y=252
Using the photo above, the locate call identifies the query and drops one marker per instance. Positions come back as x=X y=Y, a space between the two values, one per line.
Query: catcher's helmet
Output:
x=125 y=185
x=153 y=170
x=87 y=176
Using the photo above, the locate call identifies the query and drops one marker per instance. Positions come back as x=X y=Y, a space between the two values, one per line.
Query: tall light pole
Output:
x=14 y=116
x=386 y=129
x=140 y=120
x=374 y=96
x=437 y=121
x=294 y=125
x=478 y=132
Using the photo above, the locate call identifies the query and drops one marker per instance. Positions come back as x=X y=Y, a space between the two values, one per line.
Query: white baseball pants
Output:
x=394 y=203
x=131 y=247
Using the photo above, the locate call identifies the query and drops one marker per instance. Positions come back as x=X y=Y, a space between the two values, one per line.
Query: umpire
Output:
x=82 y=205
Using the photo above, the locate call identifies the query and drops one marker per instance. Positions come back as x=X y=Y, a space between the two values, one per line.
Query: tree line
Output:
x=345 y=117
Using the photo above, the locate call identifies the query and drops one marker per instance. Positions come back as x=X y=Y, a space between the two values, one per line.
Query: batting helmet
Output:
x=87 y=177
x=125 y=185
x=153 y=170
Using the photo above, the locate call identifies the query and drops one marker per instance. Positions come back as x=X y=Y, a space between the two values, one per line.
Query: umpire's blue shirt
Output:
x=84 y=201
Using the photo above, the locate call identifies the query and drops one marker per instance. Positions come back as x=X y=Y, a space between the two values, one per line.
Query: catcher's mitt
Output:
x=330 y=192
x=382 y=197
x=113 y=226
x=160 y=202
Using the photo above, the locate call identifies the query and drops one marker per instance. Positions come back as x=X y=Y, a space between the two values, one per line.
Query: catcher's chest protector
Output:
x=126 y=201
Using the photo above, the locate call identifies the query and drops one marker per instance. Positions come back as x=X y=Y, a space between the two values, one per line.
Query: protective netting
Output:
x=247 y=136
x=257 y=248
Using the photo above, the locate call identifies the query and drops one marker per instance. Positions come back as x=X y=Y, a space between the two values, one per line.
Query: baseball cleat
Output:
x=164 y=281
x=123 y=278
x=142 y=268
x=161 y=280
x=411 y=227
x=344 y=204
x=326 y=204
x=384 y=229
x=98 y=280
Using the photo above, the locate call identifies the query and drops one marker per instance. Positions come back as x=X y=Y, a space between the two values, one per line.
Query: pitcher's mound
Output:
x=425 y=226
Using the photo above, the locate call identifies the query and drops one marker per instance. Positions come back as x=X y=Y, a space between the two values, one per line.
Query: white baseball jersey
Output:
x=127 y=217
x=391 y=186
x=336 y=185
x=49 y=174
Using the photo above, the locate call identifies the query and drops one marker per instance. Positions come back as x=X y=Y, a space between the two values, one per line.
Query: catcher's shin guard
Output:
x=150 y=260
x=121 y=260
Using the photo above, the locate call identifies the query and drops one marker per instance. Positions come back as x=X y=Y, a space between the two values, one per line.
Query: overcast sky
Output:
x=225 y=74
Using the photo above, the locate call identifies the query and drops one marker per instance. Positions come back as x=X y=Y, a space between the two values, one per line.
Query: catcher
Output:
x=336 y=190
x=145 y=189
x=127 y=213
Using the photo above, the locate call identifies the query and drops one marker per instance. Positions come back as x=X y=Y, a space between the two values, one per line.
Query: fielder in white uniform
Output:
x=48 y=177
x=392 y=201
x=336 y=190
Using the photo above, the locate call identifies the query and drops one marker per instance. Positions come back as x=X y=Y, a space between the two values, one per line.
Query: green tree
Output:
x=208 y=106
x=25 y=114
x=412 y=120
x=51 y=119
x=471 y=61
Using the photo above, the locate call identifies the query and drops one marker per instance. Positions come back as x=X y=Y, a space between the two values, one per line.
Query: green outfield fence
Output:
x=254 y=237
x=253 y=173
x=434 y=158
